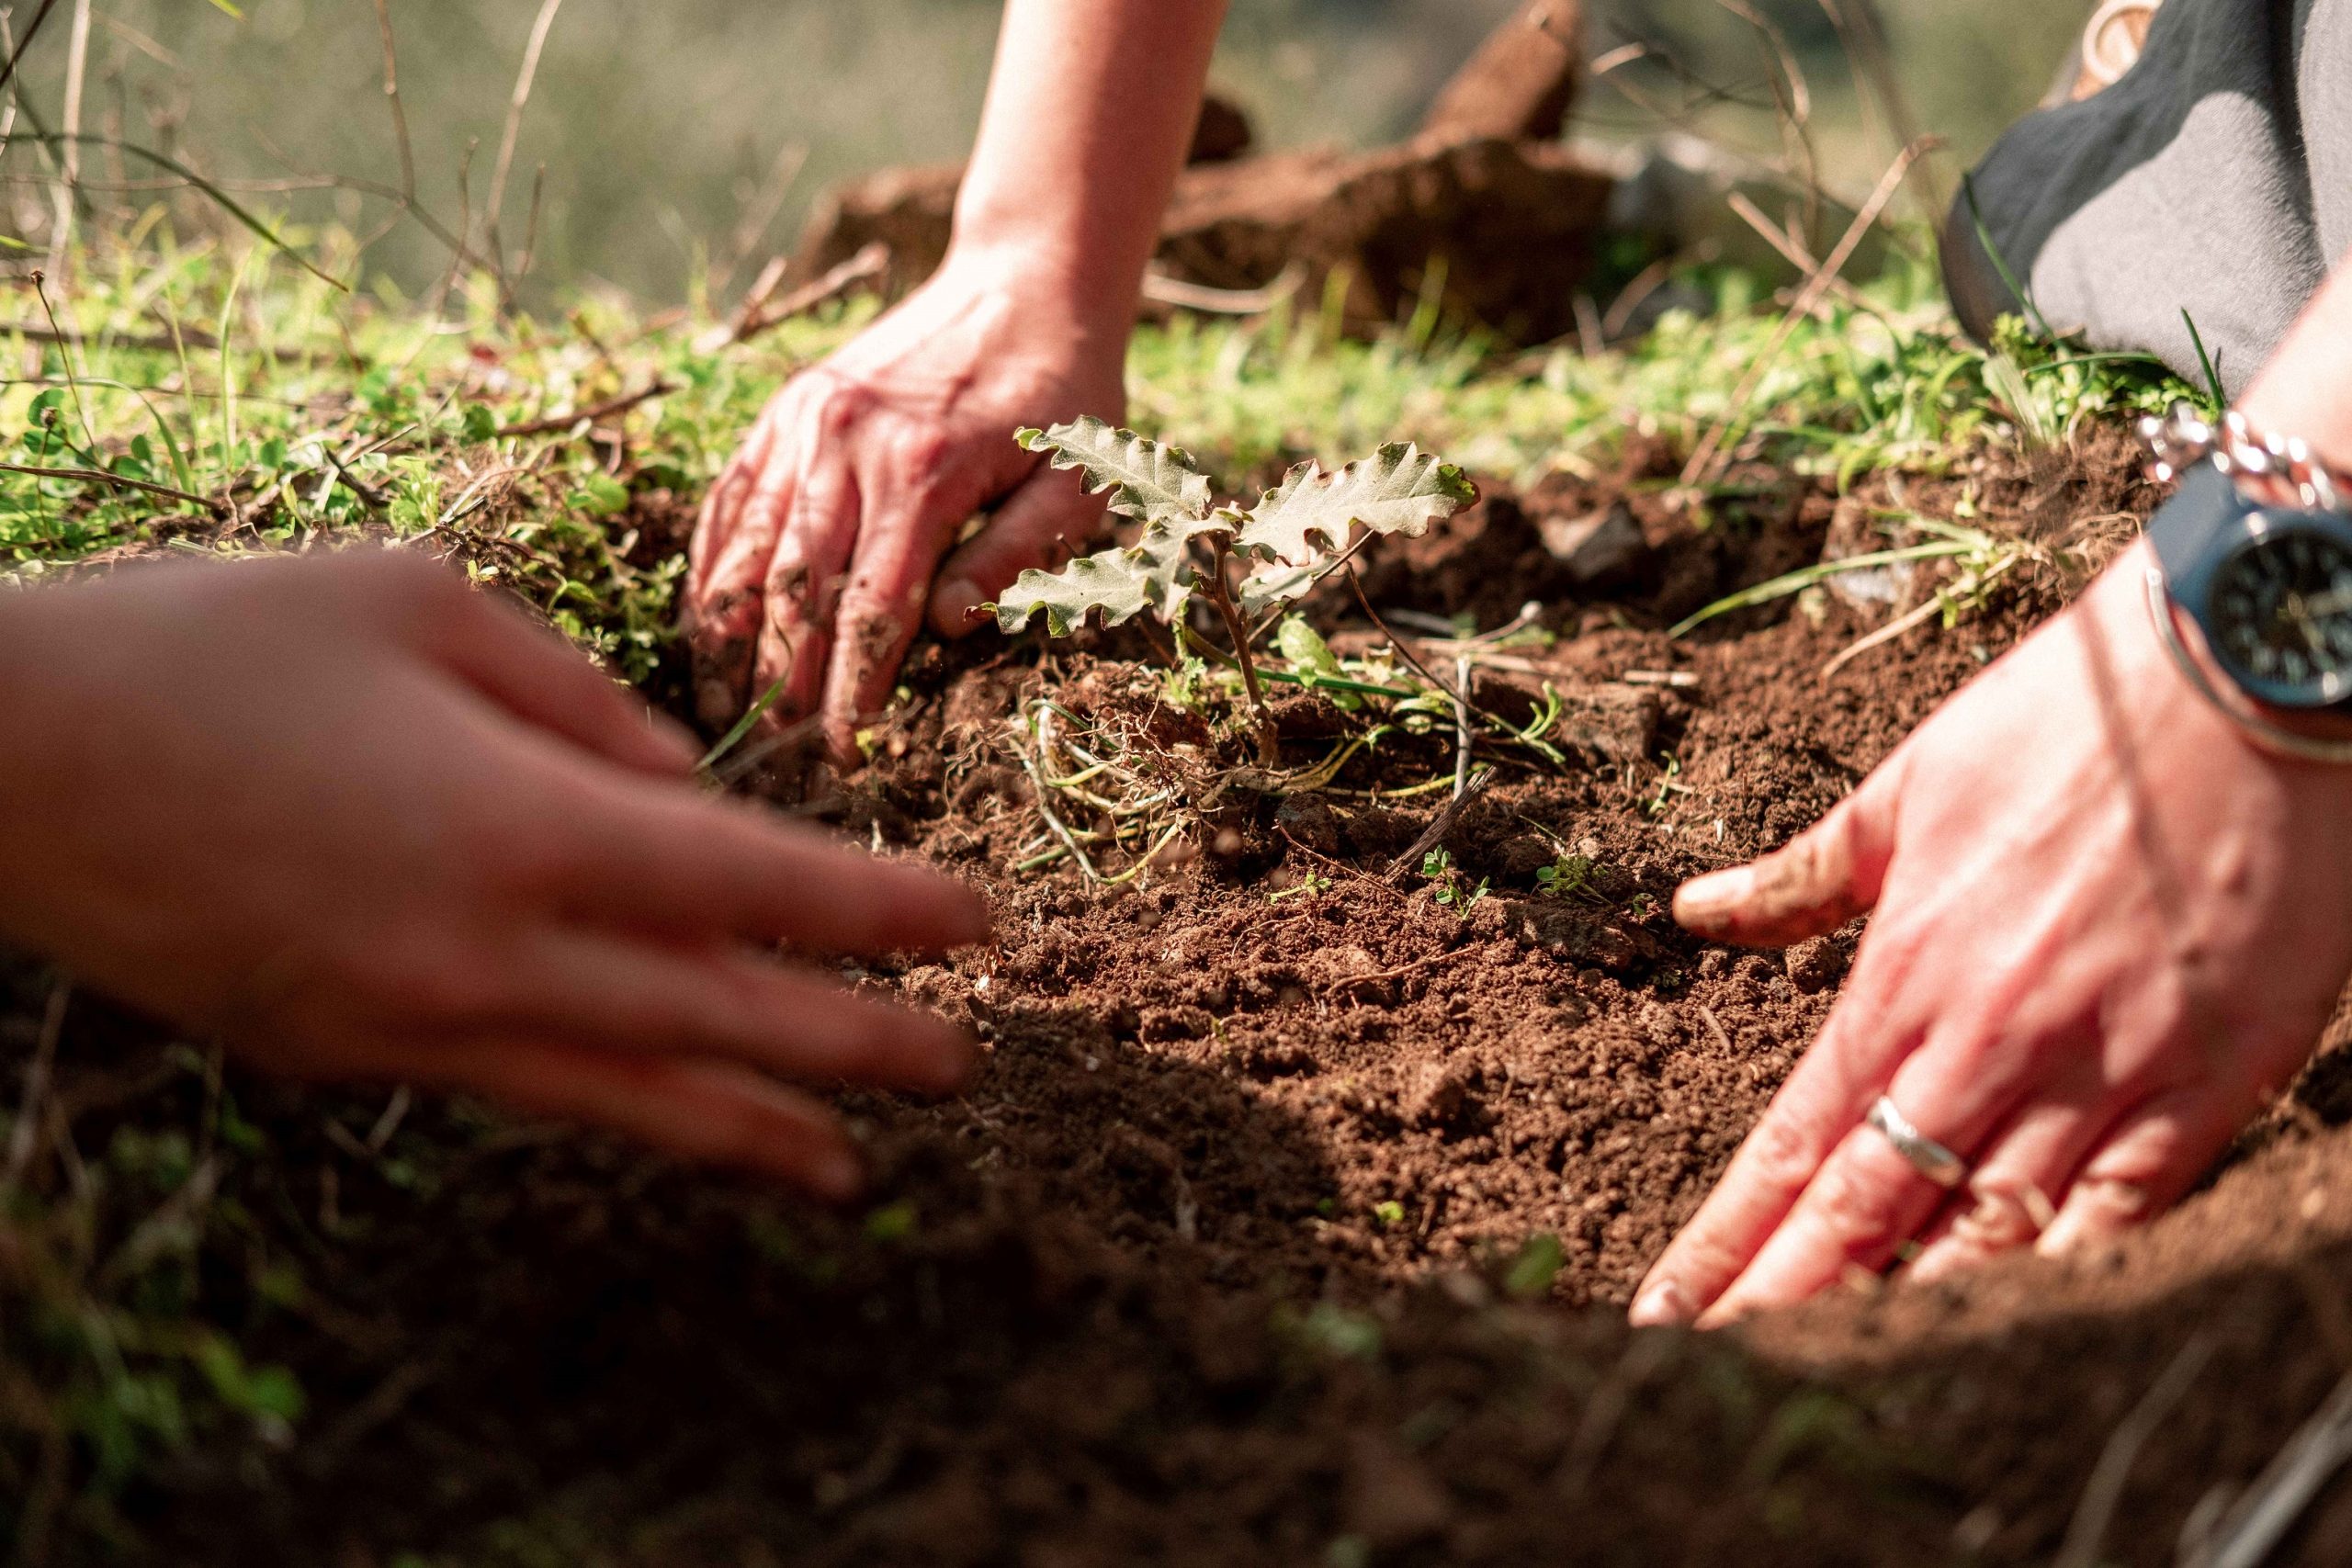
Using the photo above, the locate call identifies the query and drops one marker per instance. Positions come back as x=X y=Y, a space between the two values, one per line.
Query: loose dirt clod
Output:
x=1522 y=81
x=1491 y=231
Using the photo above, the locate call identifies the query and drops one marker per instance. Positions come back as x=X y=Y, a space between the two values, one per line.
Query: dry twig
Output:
x=496 y=205
x=2277 y=1498
x=757 y=315
x=1439 y=826
x=120 y=481
x=592 y=413
x=1704 y=465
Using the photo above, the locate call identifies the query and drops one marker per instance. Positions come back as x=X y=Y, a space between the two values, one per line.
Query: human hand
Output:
x=815 y=553
x=362 y=822
x=2109 y=931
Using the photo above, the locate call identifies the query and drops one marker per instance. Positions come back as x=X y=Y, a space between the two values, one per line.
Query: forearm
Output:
x=1089 y=112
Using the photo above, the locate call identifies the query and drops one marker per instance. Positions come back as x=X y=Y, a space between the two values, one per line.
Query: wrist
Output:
x=2136 y=603
x=1045 y=272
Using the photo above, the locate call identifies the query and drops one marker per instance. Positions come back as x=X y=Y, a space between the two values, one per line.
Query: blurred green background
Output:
x=663 y=127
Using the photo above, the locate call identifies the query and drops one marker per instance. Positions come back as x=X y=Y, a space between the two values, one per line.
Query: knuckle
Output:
x=1857 y=1211
x=925 y=452
x=840 y=413
x=413 y=980
x=1781 y=1152
x=519 y=864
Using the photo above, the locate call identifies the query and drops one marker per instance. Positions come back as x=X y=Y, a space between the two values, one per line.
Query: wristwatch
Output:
x=2254 y=550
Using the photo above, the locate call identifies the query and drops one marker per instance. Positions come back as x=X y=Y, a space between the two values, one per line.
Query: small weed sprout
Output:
x=1298 y=532
x=1453 y=889
x=1571 y=876
x=1390 y=1213
x=1310 y=884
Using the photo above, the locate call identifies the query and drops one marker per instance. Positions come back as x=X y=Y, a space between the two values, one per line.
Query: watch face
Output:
x=2282 y=616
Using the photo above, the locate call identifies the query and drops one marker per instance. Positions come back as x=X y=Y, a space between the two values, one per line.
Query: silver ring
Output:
x=1929 y=1158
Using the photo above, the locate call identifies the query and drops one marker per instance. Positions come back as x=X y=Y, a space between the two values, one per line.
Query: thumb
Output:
x=1044 y=519
x=1815 y=884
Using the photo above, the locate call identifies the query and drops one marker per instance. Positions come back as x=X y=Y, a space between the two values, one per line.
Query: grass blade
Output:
x=2210 y=365
x=2018 y=290
x=1797 y=581
x=57 y=139
x=734 y=737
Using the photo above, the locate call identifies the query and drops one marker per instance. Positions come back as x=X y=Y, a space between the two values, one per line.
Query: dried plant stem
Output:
x=69 y=165
x=1221 y=593
x=1703 y=461
x=592 y=413
x=2103 y=1490
x=17 y=50
x=1862 y=30
x=523 y=79
x=393 y=98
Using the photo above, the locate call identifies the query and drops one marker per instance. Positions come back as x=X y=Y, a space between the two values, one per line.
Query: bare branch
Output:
x=392 y=97
x=496 y=206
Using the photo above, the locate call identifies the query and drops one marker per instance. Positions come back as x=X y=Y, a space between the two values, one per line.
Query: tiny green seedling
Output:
x=1390 y=1214
x=1309 y=884
x=1301 y=530
x=1571 y=876
x=1454 y=890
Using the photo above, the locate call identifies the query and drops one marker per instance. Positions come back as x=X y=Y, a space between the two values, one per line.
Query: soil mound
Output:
x=1482 y=213
x=1273 y=1231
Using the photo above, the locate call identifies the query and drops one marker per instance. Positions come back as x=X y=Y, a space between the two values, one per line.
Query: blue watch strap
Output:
x=2183 y=528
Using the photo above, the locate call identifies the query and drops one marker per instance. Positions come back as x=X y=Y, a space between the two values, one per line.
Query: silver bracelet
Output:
x=2184 y=438
x=2273 y=738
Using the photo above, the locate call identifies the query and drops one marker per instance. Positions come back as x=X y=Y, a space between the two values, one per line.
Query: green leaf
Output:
x=1397 y=490
x=1156 y=573
x=1540 y=1259
x=1275 y=583
x=1305 y=648
x=601 y=495
x=1312 y=658
x=1143 y=479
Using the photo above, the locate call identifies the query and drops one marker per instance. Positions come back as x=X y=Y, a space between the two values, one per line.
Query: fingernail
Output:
x=2005 y=1215
x=838 y=1176
x=1709 y=901
x=2095 y=1211
x=962 y=595
x=1661 y=1306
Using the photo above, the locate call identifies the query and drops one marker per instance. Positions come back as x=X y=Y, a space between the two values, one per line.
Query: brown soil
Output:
x=1394 y=222
x=1225 y=1257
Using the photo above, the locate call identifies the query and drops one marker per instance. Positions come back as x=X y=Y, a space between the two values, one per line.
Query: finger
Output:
x=696 y=867
x=1814 y=1108
x=602 y=991
x=543 y=681
x=728 y=562
x=918 y=497
x=883 y=603
x=1040 y=525
x=713 y=1112
x=1868 y=1200
x=2010 y=1199
x=1816 y=883
x=804 y=584
x=2143 y=1165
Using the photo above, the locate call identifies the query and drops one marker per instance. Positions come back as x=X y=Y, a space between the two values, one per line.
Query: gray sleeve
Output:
x=2182 y=187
